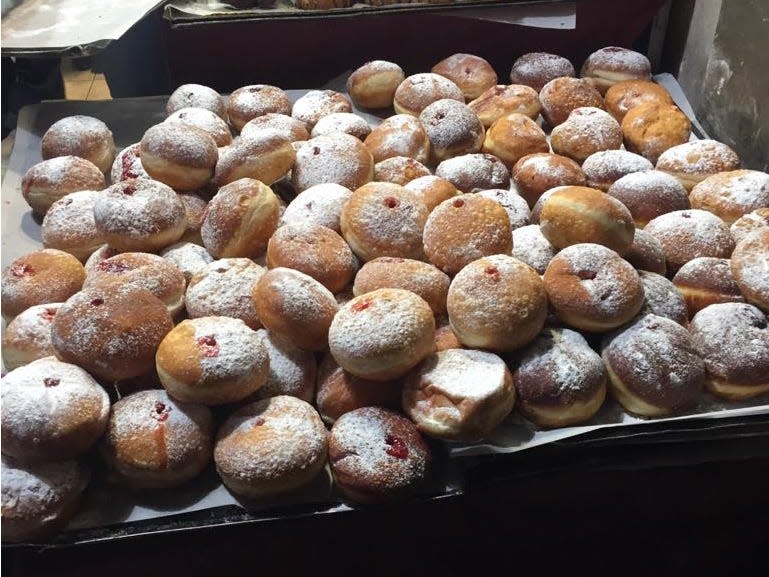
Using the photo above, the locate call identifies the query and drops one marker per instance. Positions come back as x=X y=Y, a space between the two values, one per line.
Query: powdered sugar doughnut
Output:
x=296 y=307
x=730 y=195
x=399 y=170
x=212 y=361
x=377 y=455
x=628 y=94
x=338 y=158
x=128 y=164
x=82 y=136
x=340 y=392
x=514 y=204
x=474 y=172
x=459 y=394
x=662 y=298
x=646 y=253
x=562 y=95
x=179 y=155
x=498 y=101
x=497 y=303
x=471 y=73
x=586 y=130
x=111 y=333
x=223 y=288
x=416 y=276
x=270 y=446
x=432 y=190
x=50 y=180
x=453 y=129
x=205 y=120
x=373 y=85
x=531 y=247
x=249 y=102
x=461 y=230
x=559 y=380
x=40 y=498
x=534 y=174
x=188 y=257
x=514 y=136
x=733 y=339
x=141 y=270
x=292 y=129
x=418 y=91
x=399 y=135
x=140 y=215
x=346 y=122
x=612 y=64
x=40 y=277
x=28 y=336
x=265 y=156
x=384 y=219
x=693 y=162
x=750 y=223
x=240 y=219
x=592 y=288
x=648 y=194
x=688 y=234
x=69 y=225
x=604 y=168
x=198 y=96
x=320 y=204
x=292 y=370
x=535 y=69
x=316 y=104
x=704 y=281
x=750 y=267
x=383 y=334
x=654 y=367
x=314 y=250
x=52 y=411
x=155 y=441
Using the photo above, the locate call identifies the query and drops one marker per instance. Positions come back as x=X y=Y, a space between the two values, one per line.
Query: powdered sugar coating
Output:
x=662 y=298
x=587 y=130
x=452 y=127
x=688 y=234
x=292 y=129
x=271 y=445
x=128 y=164
x=223 y=288
x=377 y=453
x=750 y=266
x=346 y=122
x=733 y=338
x=320 y=204
x=616 y=60
x=50 y=180
x=732 y=194
x=292 y=370
x=514 y=204
x=464 y=374
x=536 y=69
x=399 y=135
x=558 y=367
x=750 y=223
x=28 y=336
x=255 y=100
x=699 y=158
x=656 y=359
x=48 y=402
x=188 y=257
x=33 y=496
x=155 y=440
x=649 y=193
x=474 y=172
x=205 y=120
x=604 y=168
x=240 y=351
x=83 y=136
x=316 y=104
x=418 y=91
x=337 y=158
x=531 y=247
x=69 y=224
x=180 y=145
x=198 y=96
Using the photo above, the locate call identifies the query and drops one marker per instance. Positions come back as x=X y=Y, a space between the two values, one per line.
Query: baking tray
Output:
x=112 y=514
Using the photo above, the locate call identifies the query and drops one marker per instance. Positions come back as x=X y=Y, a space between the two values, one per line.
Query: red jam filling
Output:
x=587 y=274
x=97 y=302
x=391 y=202
x=458 y=203
x=160 y=412
x=361 y=306
x=127 y=167
x=208 y=346
x=113 y=266
x=48 y=314
x=51 y=382
x=21 y=269
x=129 y=190
x=396 y=447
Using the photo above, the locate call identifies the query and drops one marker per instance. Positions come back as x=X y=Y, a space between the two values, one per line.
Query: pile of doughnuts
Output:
x=340 y=292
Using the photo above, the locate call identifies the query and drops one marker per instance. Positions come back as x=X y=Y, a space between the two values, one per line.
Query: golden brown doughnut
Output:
x=205 y=120
x=399 y=135
x=531 y=247
x=179 y=155
x=562 y=95
x=471 y=73
x=604 y=168
x=69 y=225
x=539 y=172
x=514 y=136
x=399 y=170
x=535 y=69
x=623 y=96
x=50 y=180
x=240 y=219
x=346 y=122
x=649 y=194
x=651 y=128
x=514 y=204
x=646 y=253
x=474 y=172
x=749 y=223
x=607 y=66
x=290 y=128
x=693 y=162
x=704 y=281
x=337 y=158
x=82 y=136
x=249 y=102
x=198 y=96
x=586 y=130
x=730 y=195
x=750 y=267
x=662 y=298
x=265 y=156
x=292 y=370
x=498 y=101
x=463 y=229
x=418 y=91
x=316 y=104
x=432 y=190
x=27 y=337
x=373 y=85
x=320 y=204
